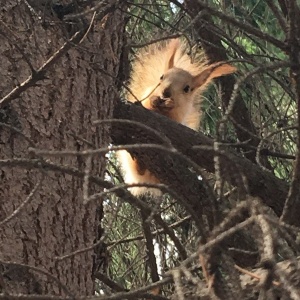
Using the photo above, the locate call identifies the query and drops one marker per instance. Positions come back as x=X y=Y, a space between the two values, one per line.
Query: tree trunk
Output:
x=54 y=111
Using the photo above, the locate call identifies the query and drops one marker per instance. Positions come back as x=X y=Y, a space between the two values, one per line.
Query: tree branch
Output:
x=215 y=52
x=199 y=148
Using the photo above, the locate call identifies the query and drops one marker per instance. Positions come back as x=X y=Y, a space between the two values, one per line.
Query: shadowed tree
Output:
x=59 y=72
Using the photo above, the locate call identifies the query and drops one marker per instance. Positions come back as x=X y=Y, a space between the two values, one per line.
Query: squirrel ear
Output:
x=170 y=64
x=211 y=72
x=173 y=46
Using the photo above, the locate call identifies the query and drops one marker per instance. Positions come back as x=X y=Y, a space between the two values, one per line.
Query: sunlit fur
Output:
x=165 y=69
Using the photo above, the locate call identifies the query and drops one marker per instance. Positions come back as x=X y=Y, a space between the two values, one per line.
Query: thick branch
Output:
x=263 y=184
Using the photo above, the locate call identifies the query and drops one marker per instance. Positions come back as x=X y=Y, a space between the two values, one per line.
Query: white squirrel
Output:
x=165 y=79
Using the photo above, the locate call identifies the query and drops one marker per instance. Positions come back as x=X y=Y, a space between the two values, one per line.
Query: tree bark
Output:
x=55 y=112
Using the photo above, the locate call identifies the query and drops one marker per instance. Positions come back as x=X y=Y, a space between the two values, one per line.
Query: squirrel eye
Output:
x=186 y=89
x=161 y=77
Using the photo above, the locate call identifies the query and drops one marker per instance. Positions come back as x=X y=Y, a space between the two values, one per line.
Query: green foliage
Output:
x=267 y=95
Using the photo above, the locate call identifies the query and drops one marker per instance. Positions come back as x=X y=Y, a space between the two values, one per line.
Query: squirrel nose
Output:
x=166 y=93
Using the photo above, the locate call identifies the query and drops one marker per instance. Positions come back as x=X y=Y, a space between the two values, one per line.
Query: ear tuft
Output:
x=173 y=46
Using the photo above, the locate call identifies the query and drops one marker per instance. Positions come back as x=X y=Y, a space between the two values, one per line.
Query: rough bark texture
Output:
x=55 y=114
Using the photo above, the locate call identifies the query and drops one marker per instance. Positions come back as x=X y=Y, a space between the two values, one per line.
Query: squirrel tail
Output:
x=154 y=60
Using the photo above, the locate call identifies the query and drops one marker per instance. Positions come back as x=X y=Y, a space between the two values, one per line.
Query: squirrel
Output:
x=165 y=80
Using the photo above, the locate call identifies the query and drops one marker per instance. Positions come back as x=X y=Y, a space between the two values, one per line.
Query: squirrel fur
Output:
x=165 y=80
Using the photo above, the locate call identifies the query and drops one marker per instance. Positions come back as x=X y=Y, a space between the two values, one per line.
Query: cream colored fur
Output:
x=147 y=84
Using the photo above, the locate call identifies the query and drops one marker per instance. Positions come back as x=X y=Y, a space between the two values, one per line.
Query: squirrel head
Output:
x=175 y=93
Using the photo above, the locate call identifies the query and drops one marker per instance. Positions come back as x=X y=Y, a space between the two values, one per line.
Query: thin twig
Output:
x=22 y=205
x=40 y=73
x=248 y=28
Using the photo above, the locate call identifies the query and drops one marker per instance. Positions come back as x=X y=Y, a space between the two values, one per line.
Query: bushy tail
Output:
x=151 y=63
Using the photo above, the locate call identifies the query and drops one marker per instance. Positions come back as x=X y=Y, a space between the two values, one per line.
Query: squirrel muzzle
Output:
x=161 y=104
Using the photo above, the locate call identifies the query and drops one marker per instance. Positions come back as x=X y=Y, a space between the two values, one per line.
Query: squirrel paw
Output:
x=161 y=103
